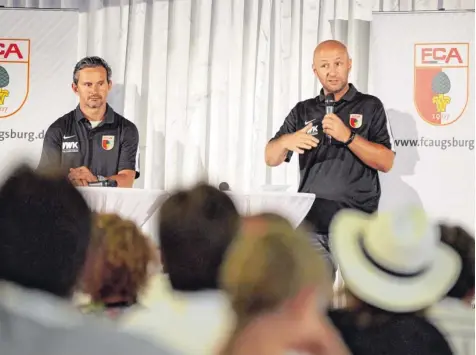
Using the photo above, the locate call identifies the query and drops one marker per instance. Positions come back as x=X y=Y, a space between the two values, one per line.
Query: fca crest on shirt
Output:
x=355 y=120
x=107 y=142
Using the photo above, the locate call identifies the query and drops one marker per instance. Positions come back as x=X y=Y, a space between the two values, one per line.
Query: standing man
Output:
x=340 y=153
x=92 y=142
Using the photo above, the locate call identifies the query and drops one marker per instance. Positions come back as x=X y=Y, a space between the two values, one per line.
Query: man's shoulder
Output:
x=128 y=127
x=306 y=103
x=117 y=341
x=126 y=123
x=368 y=99
x=60 y=125
x=63 y=121
x=78 y=334
x=202 y=333
x=304 y=108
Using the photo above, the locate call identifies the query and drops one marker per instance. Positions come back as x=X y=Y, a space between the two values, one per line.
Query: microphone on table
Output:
x=329 y=101
x=224 y=186
x=104 y=183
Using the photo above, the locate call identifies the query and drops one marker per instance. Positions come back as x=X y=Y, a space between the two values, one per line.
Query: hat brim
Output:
x=378 y=288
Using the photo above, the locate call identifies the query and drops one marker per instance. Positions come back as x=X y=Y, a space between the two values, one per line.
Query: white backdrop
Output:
x=440 y=178
x=209 y=81
x=47 y=43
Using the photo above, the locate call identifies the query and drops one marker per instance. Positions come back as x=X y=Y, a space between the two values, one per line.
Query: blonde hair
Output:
x=263 y=269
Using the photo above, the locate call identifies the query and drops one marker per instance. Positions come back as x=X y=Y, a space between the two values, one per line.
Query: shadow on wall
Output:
x=395 y=191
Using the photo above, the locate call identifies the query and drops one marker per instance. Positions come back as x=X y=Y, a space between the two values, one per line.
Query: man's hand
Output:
x=81 y=176
x=79 y=182
x=333 y=126
x=300 y=140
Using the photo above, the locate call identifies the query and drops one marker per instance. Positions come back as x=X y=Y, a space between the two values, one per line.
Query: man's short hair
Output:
x=44 y=231
x=196 y=227
x=263 y=270
x=91 y=62
x=463 y=243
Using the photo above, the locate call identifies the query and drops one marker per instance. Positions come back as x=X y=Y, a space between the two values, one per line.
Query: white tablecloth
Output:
x=139 y=204
x=293 y=206
x=134 y=204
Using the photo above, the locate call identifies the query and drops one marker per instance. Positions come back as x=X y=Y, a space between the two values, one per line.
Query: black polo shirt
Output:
x=71 y=142
x=331 y=171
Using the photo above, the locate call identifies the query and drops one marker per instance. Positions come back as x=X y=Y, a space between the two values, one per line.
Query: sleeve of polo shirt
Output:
x=289 y=126
x=380 y=131
x=51 y=152
x=129 y=155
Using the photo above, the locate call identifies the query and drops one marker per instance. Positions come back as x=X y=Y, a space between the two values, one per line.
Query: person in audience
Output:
x=45 y=227
x=394 y=267
x=185 y=307
x=273 y=278
x=253 y=224
x=454 y=315
x=117 y=265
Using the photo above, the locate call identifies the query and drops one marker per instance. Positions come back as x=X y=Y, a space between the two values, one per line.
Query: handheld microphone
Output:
x=105 y=183
x=224 y=186
x=329 y=101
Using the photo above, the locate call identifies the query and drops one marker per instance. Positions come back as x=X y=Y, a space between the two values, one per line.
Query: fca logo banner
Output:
x=441 y=81
x=14 y=75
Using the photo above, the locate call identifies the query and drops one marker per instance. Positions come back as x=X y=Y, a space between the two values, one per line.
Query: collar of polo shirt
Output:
x=109 y=114
x=349 y=95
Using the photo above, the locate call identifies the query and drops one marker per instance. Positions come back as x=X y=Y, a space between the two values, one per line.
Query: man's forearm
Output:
x=123 y=180
x=372 y=154
x=275 y=153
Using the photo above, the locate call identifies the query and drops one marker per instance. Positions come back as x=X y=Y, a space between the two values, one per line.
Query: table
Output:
x=137 y=205
x=293 y=206
x=140 y=204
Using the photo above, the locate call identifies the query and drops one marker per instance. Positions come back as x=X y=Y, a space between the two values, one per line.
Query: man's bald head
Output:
x=325 y=48
x=332 y=65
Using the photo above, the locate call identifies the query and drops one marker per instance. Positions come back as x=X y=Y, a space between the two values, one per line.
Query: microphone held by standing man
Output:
x=330 y=101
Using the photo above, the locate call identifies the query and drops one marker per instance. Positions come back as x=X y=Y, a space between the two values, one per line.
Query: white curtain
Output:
x=208 y=82
x=422 y=5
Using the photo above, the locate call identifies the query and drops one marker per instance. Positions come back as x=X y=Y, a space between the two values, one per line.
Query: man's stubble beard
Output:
x=95 y=105
x=338 y=90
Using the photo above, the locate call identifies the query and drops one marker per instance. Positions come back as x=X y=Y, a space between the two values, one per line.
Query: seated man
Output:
x=92 y=142
x=40 y=262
